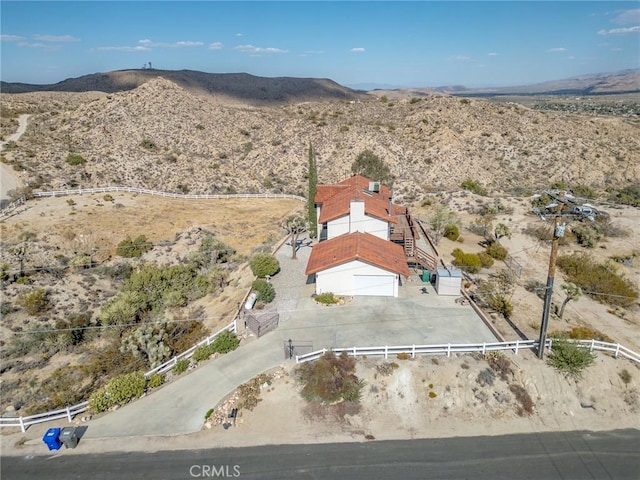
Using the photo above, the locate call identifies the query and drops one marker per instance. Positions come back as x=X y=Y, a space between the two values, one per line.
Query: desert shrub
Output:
x=73 y=329
x=183 y=334
x=123 y=309
x=523 y=397
x=625 y=376
x=155 y=380
x=108 y=198
x=152 y=288
x=432 y=394
x=203 y=352
x=586 y=235
x=118 y=391
x=569 y=358
x=385 y=369
x=34 y=302
x=266 y=292
x=500 y=304
x=180 y=366
x=583 y=332
x=535 y=286
x=486 y=377
x=500 y=364
x=326 y=298
x=452 y=232
x=225 y=342
x=148 y=144
x=208 y=414
x=466 y=261
x=403 y=356
x=263 y=264
x=126 y=387
x=592 y=277
x=133 y=248
x=74 y=159
x=485 y=259
x=497 y=251
x=629 y=195
x=474 y=187
x=99 y=401
x=330 y=379
x=148 y=342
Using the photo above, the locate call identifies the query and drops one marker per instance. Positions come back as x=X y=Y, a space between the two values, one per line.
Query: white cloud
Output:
x=460 y=58
x=620 y=31
x=492 y=54
x=557 y=50
x=314 y=52
x=41 y=46
x=239 y=34
x=152 y=44
x=216 y=46
x=617 y=49
x=11 y=38
x=258 y=50
x=626 y=17
x=56 y=38
x=138 y=48
x=357 y=50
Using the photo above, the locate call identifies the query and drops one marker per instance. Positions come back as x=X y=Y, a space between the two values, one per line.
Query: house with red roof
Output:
x=354 y=255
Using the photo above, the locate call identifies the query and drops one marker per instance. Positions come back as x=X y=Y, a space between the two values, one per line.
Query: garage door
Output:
x=380 y=285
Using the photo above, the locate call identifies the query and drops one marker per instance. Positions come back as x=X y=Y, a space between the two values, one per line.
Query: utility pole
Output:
x=558 y=232
x=555 y=209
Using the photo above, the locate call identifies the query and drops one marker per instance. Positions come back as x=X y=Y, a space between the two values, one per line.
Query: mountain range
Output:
x=259 y=90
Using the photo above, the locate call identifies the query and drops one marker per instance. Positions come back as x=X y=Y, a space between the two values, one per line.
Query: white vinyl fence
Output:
x=449 y=348
x=72 y=411
x=145 y=191
x=80 y=191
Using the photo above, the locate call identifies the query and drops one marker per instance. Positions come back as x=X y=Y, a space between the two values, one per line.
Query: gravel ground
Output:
x=290 y=282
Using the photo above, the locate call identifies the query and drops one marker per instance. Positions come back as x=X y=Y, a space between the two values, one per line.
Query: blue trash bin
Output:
x=52 y=439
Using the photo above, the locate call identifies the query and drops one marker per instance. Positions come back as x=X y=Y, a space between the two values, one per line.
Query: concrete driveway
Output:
x=413 y=318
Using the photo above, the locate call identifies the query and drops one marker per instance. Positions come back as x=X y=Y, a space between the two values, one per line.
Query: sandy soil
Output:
x=429 y=397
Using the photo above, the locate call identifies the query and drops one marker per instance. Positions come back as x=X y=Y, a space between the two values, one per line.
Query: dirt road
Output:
x=8 y=181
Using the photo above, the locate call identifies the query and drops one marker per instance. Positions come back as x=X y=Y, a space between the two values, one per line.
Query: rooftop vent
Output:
x=374 y=186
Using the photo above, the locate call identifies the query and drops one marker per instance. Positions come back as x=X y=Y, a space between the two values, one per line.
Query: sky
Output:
x=358 y=44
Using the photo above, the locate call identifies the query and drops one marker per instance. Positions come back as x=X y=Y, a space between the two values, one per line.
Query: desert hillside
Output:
x=162 y=136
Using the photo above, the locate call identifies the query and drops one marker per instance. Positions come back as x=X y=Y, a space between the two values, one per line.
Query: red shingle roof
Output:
x=336 y=199
x=358 y=246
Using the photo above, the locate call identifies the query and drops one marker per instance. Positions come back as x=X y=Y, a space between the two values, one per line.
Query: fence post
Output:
x=517 y=343
x=617 y=351
x=68 y=414
x=484 y=349
x=386 y=353
x=448 y=349
x=413 y=351
x=593 y=342
x=22 y=425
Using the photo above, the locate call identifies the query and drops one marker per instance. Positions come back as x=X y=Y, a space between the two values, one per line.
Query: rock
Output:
x=10 y=409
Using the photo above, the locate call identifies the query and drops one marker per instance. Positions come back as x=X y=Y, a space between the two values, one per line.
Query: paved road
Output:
x=549 y=456
x=414 y=318
x=8 y=180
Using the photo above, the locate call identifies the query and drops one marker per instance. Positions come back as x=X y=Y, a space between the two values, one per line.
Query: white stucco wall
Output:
x=357 y=223
x=340 y=281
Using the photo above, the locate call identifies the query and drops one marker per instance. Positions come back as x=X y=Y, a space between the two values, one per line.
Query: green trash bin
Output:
x=426 y=276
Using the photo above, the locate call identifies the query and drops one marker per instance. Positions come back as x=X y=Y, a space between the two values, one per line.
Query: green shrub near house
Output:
x=263 y=264
x=266 y=292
